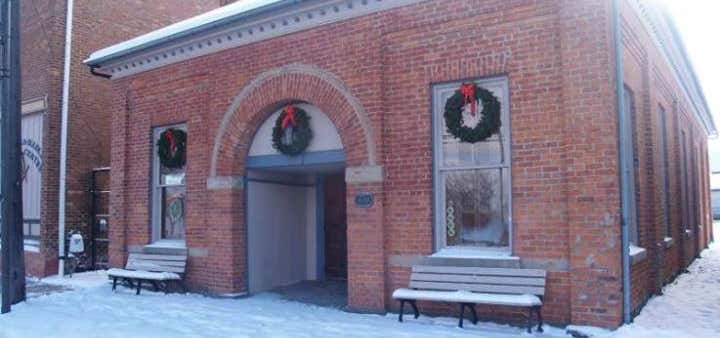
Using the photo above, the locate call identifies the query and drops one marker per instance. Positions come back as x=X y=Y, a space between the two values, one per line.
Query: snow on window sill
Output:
x=668 y=241
x=31 y=245
x=475 y=253
x=167 y=244
x=637 y=254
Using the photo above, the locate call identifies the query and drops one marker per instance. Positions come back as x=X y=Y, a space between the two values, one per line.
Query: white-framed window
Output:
x=632 y=157
x=665 y=183
x=168 y=196
x=472 y=183
x=31 y=173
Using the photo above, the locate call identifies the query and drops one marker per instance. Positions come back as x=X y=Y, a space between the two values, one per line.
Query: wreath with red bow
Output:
x=292 y=134
x=489 y=123
x=171 y=148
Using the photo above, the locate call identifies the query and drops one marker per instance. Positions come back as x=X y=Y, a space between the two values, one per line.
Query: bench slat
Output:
x=475 y=279
x=488 y=288
x=163 y=263
x=158 y=257
x=461 y=270
x=154 y=267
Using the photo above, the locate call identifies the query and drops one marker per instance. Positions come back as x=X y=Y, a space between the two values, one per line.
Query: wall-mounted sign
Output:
x=33 y=152
x=363 y=200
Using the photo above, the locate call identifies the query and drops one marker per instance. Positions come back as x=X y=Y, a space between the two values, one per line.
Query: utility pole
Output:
x=11 y=218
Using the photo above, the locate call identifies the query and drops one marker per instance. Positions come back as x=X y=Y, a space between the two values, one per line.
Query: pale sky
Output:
x=699 y=24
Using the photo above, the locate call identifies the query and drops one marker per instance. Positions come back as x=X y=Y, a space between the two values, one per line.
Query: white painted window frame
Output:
x=664 y=163
x=438 y=107
x=631 y=111
x=156 y=222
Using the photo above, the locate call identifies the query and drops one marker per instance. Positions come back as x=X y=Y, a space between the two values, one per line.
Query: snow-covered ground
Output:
x=690 y=308
x=93 y=310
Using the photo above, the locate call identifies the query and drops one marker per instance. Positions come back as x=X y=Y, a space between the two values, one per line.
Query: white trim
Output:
x=34 y=105
x=470 y=252
x=155 y=204
x=251 y=29
x=637 y=254
x=168 y=244
x=439 y=230
x=31 y=245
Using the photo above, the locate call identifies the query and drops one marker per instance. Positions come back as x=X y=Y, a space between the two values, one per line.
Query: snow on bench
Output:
x=469 y=286
x=154 y=268
x=147 y=275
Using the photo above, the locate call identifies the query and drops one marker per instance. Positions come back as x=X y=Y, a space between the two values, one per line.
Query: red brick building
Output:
x=603 y=133
x=94 y=24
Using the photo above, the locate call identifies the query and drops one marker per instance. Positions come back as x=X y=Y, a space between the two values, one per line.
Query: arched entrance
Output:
x=296 y=217
x=231 y=168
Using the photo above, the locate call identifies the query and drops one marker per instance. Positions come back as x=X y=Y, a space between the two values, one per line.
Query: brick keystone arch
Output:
x=293 y=82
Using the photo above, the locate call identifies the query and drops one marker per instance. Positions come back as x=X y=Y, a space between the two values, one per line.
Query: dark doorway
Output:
x=99 y=218
x=335 y=228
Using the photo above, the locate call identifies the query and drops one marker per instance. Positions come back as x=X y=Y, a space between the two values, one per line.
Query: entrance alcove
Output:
x=296 y=215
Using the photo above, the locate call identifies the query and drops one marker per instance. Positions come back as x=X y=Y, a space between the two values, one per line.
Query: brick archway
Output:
x=225 y=185
x=291 y=83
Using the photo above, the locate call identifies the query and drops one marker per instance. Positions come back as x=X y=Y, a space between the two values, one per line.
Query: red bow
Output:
x=468 y=92
x=289 y=117
x=169 y=136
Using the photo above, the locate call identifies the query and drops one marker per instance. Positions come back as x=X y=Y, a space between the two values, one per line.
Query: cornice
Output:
x=296 y=18
x=666 y=39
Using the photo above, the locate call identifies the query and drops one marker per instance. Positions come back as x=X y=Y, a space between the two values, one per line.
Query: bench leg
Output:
x=538 y=310
x=415 y=308
x=529 y=324
x=114 y=283
x=462 y=314
x=474 y=313
x=402 y=309
x=139 y=285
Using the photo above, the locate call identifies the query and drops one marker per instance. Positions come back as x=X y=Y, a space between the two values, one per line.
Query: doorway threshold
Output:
x=327 y=293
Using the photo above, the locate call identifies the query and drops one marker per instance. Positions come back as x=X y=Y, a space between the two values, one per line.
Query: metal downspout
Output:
x=625 y=161
x=64 y=137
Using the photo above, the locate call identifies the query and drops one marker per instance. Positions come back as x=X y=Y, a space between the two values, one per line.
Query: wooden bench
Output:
x=469 y=286
x=157 y=269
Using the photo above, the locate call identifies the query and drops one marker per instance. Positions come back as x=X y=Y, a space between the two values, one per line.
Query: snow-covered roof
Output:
x=238 y=24
x=233 y=11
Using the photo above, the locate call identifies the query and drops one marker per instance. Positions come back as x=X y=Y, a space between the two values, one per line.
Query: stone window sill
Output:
x=669 y=242
x=475 y=253
x=637 y=254
x=167 y=244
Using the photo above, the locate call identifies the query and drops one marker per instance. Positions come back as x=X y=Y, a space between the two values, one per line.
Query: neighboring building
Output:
x=374 y=77
x=714 y=153
x=43 y=40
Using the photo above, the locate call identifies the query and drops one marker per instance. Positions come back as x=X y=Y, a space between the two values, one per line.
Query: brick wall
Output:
x=650 y=78
x=96 y=24
x=558 y=58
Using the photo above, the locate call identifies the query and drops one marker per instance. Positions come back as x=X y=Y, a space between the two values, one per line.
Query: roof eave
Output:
x=97 y=62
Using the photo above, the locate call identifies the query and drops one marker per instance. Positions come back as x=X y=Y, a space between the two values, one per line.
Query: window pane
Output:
x=173 y=212
x=476 y=208
x=172 y=176
x=461 y=154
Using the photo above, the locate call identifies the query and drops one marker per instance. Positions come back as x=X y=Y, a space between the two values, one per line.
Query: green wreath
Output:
x=488 y=125
x=301 y=135
x=171 y=148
